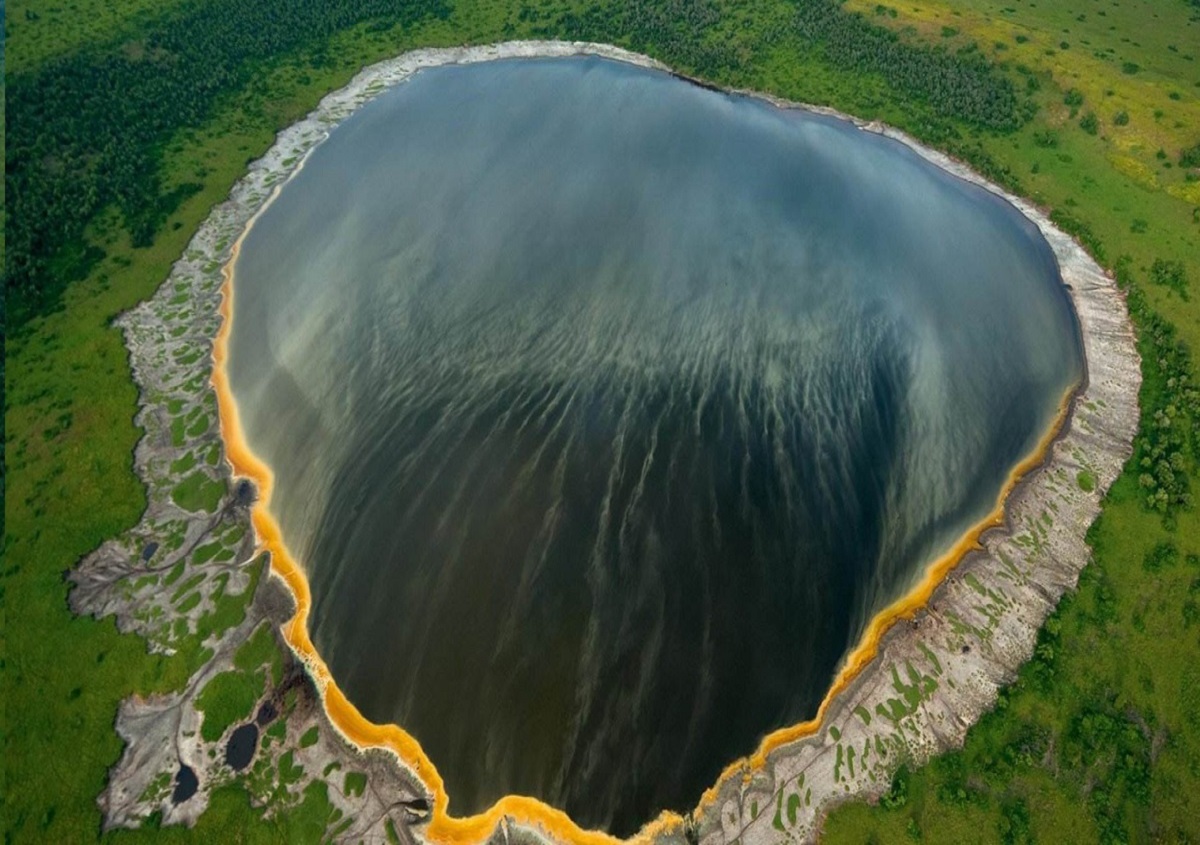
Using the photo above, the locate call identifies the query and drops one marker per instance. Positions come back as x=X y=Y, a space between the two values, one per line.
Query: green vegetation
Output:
x=1170 y=274
x=355 y=783
x=101 y=116
x=260 y=649
x=962 y=86
x=230 y=697
x=130 y=121
x=198 y=492
x=230 y=818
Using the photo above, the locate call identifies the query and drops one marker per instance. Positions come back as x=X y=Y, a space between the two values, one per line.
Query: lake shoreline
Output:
x=935 y=632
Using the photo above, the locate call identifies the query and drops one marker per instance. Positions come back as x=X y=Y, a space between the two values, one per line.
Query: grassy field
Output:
x=1098 y=741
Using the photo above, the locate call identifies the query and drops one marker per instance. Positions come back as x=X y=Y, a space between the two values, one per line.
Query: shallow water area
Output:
x=604 y=410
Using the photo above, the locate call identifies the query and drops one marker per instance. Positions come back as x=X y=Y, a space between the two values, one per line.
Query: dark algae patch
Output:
x=604 y=409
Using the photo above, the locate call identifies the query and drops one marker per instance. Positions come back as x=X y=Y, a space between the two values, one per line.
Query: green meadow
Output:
x=1093 y=111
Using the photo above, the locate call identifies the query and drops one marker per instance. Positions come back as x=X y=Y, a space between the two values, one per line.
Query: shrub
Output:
x=1163 y=555
x=1045 y=138
x=1170 y=274
x=897 y=796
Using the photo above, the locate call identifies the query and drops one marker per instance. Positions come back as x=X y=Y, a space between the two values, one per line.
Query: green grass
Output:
x=231 y=696
x=230 y=818
x=198 y=492
x=226 y=699
x=207 y=552
x=354 y=783
x=182 y=465
x=40 y=30
x=1123 y=644
x=260 y=649
x=1160 y=37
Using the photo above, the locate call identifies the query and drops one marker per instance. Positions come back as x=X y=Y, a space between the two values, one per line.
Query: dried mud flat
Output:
x=190 y=572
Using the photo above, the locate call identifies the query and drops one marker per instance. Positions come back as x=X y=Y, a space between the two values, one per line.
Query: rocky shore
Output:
x=188 y=577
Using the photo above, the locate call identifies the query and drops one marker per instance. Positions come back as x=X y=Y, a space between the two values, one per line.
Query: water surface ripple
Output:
x=604 y=409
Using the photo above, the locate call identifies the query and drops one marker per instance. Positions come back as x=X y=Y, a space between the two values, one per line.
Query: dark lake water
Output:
x=605 y=409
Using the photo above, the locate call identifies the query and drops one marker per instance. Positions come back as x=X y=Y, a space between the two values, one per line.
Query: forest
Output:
x=84 y=131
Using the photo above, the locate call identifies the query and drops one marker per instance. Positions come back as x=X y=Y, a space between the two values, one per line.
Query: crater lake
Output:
x=605 y=409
